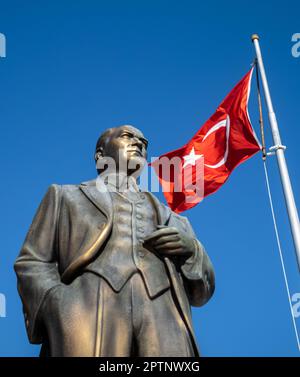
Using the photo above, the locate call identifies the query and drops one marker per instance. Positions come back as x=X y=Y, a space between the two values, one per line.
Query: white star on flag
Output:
x=191 y=158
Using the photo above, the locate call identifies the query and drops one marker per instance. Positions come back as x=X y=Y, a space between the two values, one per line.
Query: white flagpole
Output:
x=278 y=148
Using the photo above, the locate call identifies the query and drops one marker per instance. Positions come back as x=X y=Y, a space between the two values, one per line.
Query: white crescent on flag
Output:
x=222 y=123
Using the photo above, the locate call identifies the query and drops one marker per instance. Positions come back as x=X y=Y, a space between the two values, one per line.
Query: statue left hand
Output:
x=168 y=241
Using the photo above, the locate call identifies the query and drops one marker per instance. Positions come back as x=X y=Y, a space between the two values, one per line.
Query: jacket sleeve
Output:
x=36 y=265
x=197 y=271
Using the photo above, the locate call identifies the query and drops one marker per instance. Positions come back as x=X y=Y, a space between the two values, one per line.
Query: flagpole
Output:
x=279 y=149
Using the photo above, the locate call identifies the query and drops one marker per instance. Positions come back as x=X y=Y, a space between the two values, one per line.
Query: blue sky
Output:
x=75 y=68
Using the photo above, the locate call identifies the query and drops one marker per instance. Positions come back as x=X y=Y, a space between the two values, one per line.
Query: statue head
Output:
x=126 y=146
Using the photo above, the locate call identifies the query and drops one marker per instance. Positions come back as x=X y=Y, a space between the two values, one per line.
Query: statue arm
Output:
x=198 y=276
x=197 y=271
x=36 y=265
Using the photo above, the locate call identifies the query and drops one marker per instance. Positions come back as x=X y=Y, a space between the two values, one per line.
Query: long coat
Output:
x=70 y=229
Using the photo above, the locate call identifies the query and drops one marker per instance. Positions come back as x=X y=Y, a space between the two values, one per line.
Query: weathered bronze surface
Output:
x=112 y=272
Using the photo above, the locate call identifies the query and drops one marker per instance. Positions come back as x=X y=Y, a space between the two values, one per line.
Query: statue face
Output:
x=128 y=147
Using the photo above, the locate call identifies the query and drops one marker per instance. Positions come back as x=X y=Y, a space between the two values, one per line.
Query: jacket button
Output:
x=27 y=323
x=141 y=254
x=141 y=230
x=139 y=216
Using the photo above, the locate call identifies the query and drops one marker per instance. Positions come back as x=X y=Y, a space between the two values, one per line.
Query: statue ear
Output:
x=98 y=154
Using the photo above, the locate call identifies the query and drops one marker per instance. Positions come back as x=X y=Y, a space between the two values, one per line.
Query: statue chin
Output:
x=136 y=165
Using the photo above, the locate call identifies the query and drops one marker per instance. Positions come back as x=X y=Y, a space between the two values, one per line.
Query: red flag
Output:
x=223 y=142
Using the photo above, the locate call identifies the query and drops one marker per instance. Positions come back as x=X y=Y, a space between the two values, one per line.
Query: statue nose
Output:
x=138 y=142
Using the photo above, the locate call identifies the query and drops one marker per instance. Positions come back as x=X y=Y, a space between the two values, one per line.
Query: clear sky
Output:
x=74 y=68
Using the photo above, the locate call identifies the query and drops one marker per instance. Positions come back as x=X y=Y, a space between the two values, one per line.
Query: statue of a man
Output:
x=108 y=270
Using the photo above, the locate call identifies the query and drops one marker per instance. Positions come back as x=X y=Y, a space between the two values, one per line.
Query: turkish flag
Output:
x=206 y=161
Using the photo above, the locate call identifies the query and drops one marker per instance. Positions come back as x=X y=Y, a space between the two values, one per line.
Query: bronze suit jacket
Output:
x=69 y=231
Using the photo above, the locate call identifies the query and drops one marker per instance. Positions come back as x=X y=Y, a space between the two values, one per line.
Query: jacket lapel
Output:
x=163 y=212
x=98 y=194
x=102 y=200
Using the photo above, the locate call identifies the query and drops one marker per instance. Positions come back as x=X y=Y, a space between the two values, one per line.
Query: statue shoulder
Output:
x=73 y=187
x=65 y=190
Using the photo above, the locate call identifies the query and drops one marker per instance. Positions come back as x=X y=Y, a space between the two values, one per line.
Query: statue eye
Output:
x=126 y=135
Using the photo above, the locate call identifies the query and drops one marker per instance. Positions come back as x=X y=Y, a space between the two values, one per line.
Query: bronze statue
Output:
x=112 y=272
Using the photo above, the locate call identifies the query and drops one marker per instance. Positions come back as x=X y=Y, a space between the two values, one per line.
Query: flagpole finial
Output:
x=254 y=36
